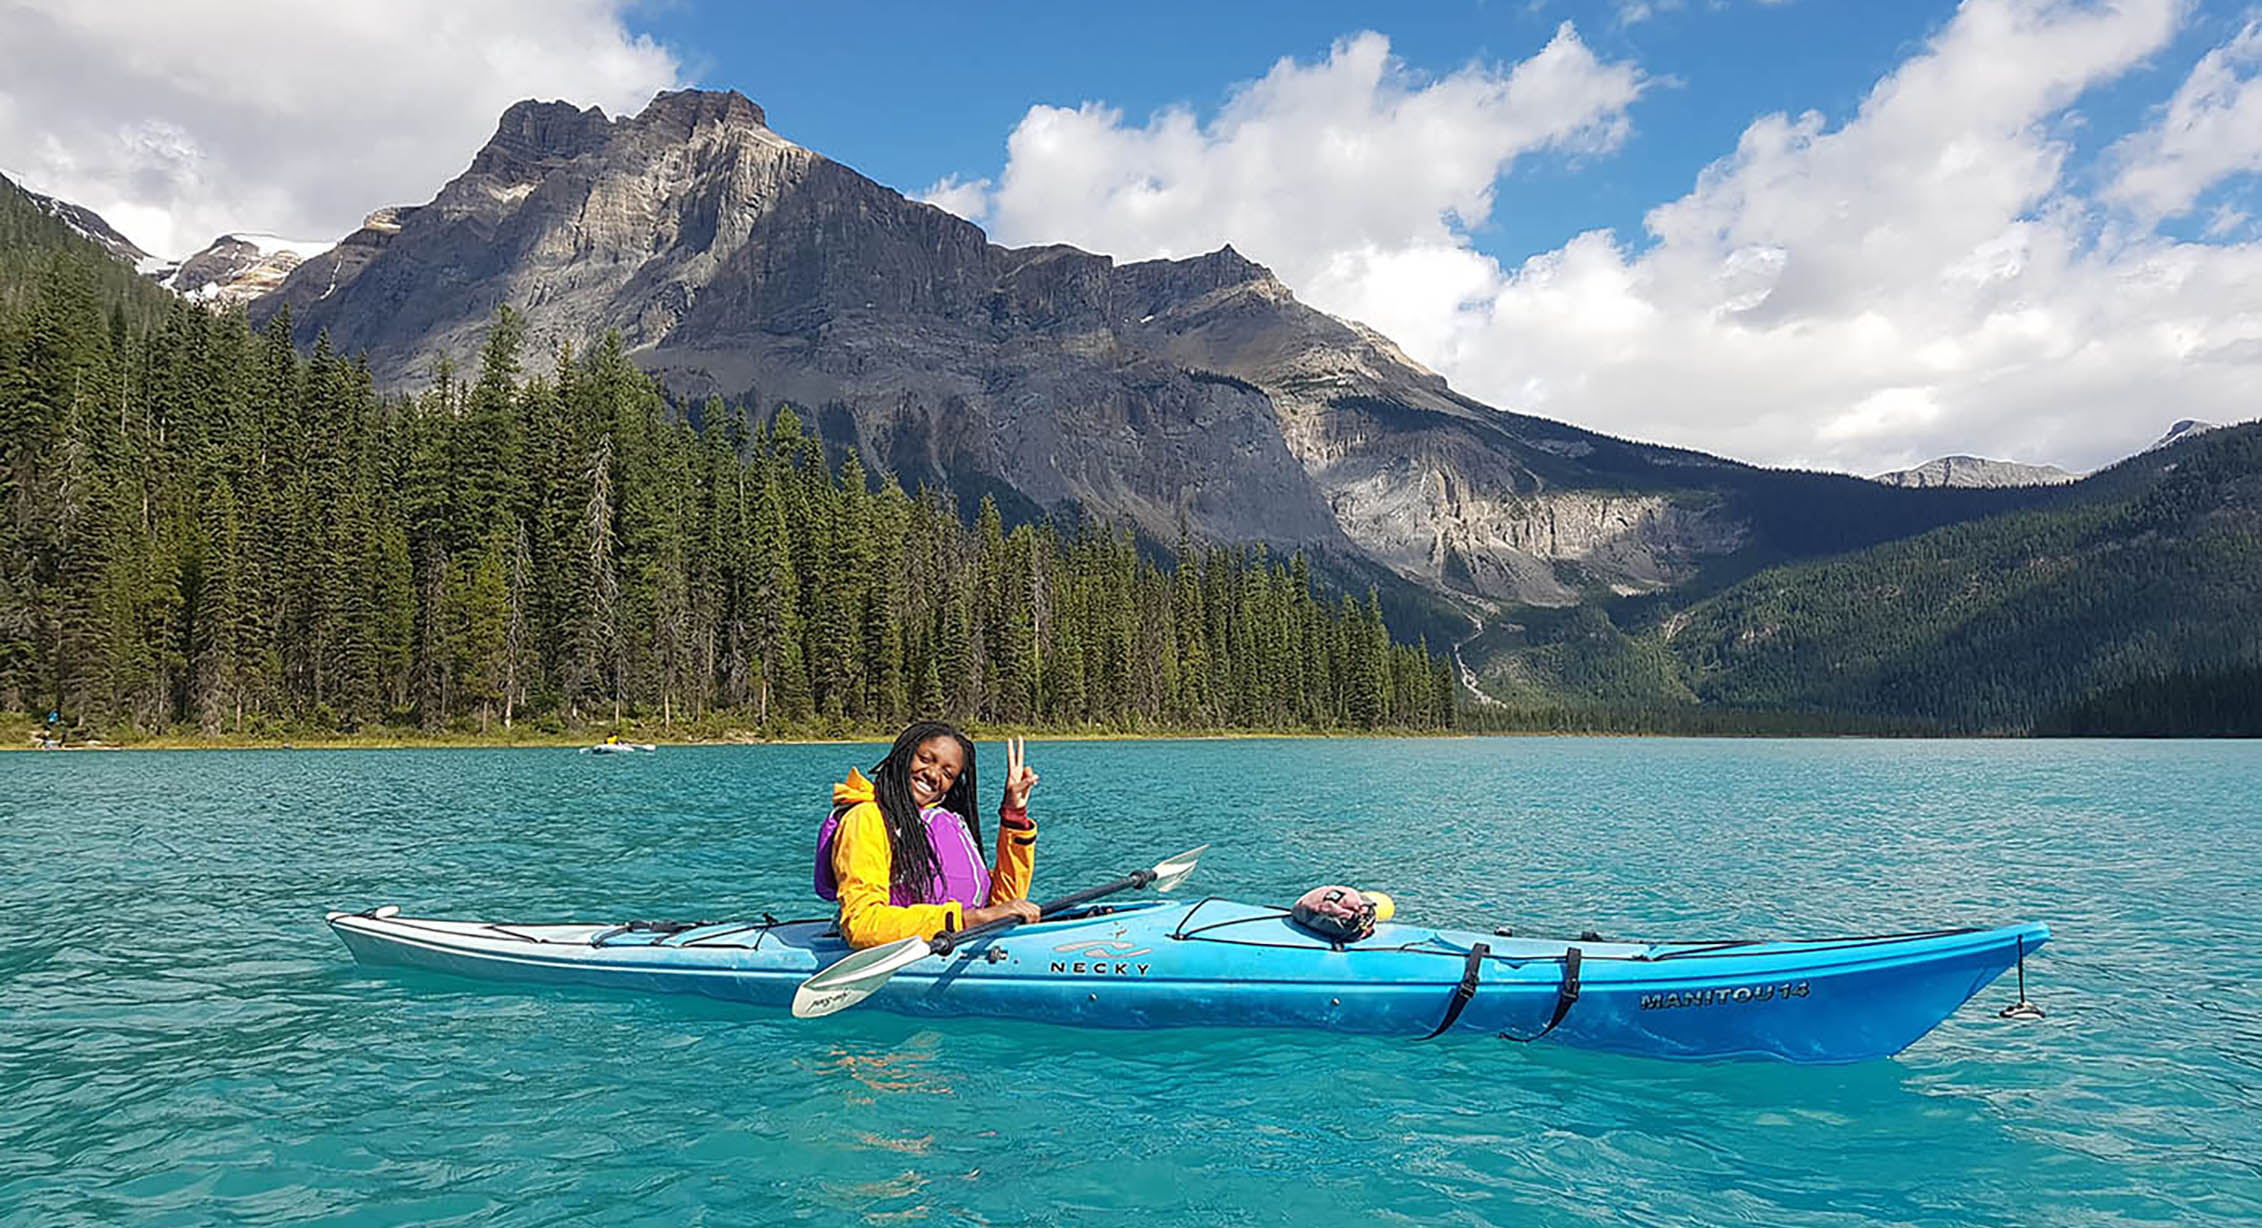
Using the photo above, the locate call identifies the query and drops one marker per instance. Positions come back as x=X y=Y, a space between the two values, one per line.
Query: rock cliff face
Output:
x=353 y=253
x=735 y=263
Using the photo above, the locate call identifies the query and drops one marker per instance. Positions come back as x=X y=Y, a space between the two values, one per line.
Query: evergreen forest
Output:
x=208 y=532
x=205 y=533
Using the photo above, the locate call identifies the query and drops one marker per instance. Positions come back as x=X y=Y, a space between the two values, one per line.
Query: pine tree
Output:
x=1191 y=703
x=219 y=613
x=481 y=618
x=393 y=597
x=518 y=663
x=594 y=665
x=840 y=587
x=776 y=607
x=487 y=471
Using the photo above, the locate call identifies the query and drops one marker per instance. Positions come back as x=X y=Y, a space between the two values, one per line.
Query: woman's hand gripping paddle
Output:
x=861 y=974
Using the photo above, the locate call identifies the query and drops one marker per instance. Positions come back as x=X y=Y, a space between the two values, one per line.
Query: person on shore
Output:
x=902 y=850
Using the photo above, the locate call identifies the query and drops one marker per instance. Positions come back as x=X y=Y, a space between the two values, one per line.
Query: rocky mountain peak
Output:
x=242 y=266
x=2182 y=428
x=1222 y=269
x=533 y=136
x=682 y=112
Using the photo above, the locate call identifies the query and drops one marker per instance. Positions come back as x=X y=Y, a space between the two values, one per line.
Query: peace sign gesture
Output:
x=1019 y=776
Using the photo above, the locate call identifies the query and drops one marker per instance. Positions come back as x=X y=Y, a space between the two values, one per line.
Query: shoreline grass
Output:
x=534 y=739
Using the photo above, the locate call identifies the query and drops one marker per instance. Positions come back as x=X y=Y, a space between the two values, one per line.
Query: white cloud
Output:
x=179 y=121
x=969 y=199
x=1920 y=279
x=1311 y=161
x=2211 y=129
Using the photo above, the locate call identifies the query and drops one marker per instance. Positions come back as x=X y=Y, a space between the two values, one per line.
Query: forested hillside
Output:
x=206 y=530
x=2147 y=583
x=2131 y=603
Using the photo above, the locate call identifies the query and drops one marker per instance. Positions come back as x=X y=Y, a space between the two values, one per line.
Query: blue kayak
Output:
x=1165 y=963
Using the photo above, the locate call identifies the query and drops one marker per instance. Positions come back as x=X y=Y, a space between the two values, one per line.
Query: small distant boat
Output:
x=617 y=748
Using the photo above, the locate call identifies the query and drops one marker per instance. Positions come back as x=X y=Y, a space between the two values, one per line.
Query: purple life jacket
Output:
x=965 y=876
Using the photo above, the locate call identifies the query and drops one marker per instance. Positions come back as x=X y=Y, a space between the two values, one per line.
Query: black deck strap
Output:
x=1463 y=992
x=1179 y=930
x=668 y=927
x=1565 y=995
x=716 y=939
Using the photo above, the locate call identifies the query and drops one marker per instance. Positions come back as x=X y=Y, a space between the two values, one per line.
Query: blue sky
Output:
x=1849 y=234
x=911 y=93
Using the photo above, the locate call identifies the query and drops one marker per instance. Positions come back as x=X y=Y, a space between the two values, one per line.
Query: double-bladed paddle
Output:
x=858 y=976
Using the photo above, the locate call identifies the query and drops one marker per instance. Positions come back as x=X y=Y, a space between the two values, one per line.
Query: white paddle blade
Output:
x=855 y=978
x=1170 y=873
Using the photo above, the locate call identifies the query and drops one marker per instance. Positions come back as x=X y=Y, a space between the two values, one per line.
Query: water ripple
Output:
x=182 y=1042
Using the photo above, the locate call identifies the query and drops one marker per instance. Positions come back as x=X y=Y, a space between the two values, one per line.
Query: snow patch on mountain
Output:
x=276 y=245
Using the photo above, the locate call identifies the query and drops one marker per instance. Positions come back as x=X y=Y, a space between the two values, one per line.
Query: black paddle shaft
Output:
x=944 y=944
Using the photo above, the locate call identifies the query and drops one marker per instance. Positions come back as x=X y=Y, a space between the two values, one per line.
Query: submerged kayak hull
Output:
x=1218 y=963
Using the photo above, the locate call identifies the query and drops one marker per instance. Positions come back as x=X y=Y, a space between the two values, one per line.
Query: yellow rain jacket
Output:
x=862 y=861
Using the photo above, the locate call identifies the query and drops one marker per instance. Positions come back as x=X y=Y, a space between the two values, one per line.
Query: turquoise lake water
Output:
x=183 y=1042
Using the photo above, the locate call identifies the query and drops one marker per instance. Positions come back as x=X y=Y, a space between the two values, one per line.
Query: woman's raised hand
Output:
x=1019 y=776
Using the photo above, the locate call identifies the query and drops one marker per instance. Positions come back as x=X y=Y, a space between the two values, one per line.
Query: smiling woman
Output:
x=901 y=851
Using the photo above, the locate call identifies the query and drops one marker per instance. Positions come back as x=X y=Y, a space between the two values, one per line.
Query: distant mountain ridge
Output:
x=233 y=268
x=86 y=223
x=2182 y=429
x=2131 y=601
x=2148 y=570
x=239 y=267
x=1975 y=471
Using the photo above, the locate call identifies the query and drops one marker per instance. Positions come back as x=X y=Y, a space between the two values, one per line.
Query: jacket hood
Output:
x=852 y=790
